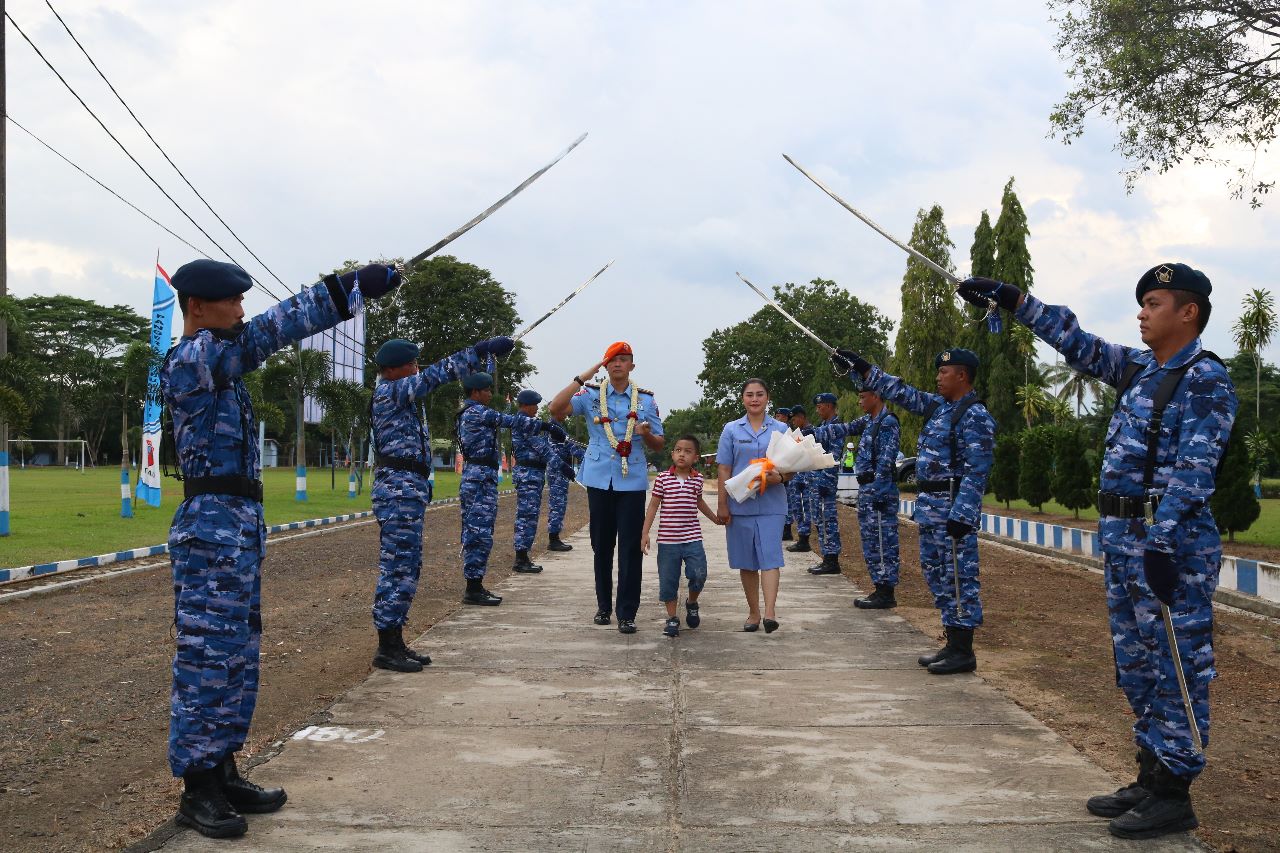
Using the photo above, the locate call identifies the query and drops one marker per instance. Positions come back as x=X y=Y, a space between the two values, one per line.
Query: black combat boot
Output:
x=244 y=796
x=524 y=565
x=408 y=652
x=925 y=660
x=881 y=599
x=801 y=546
x=477 y=594
x=961 y=658
x=1166 y=810
x=204 y=806
x=390 y=654
x=1114 y=805
x=786 y=533
x=555 y=543
x=830 y=565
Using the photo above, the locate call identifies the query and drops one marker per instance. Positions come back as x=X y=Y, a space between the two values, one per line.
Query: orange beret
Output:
x=617 y=348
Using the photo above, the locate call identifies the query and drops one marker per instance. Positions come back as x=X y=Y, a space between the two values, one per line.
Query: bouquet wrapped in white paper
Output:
x=788 y=453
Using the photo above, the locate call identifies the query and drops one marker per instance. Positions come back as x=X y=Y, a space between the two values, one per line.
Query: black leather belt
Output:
x=413 y=466
x=939 y=485
x=532 y=463
x=230 y=484
x=863 y=479
x=1126 y=506
x=486 y=461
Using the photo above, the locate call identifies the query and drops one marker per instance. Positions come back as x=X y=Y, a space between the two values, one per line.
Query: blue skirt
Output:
x=755 y=542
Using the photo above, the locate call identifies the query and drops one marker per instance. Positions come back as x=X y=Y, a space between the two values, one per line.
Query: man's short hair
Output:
x=1201 y=301
x=182 y=302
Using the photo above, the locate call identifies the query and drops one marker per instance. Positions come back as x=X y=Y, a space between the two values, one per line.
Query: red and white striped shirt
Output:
x=678 y=521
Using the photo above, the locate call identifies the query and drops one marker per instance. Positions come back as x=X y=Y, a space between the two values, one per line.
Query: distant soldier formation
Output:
x=1173 y=417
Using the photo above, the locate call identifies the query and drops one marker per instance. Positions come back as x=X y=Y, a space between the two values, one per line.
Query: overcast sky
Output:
x=326 y=131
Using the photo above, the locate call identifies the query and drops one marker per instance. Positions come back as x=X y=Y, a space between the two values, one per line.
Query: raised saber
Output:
x=1182 y=679
x=483 y=215
x=563 y=302
x=801 y=326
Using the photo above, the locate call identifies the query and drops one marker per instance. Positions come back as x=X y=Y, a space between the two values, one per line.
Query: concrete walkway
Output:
x=537 y=730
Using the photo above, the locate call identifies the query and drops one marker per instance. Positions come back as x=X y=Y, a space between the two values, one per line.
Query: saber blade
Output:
x=563 y=302
x=801 y=326
x=883 y=233
x=1182 y=679
x=483 y=215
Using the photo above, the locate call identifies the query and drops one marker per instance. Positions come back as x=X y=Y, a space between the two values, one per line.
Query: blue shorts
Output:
x=670 y=555
x=755 y=542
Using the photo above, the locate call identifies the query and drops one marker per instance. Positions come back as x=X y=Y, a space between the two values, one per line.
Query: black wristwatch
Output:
x=578 y=379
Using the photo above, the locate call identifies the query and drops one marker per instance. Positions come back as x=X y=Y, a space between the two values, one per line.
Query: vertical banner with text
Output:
x=161 y=335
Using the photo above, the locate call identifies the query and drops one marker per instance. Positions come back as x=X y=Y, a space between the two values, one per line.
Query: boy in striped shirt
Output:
x=678 y=492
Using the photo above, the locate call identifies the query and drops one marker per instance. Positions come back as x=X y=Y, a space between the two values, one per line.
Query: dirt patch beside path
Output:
x=86 y=672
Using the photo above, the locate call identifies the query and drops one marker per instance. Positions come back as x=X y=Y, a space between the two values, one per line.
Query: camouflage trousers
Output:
x=528 y=483
x=878 y=527
x=557 y=502
x=823 y=520
x=1144 y=664
x=939 y=574
x=399 y=559
x=797 y=506
x=478 y=499
x=217 y=610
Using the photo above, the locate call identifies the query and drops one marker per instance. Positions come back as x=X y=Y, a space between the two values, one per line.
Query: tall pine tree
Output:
x=930 y=320
x=1004 y=368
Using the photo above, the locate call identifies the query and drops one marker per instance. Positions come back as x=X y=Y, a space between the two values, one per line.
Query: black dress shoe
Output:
x=204 y=806
x=802 y=545
x=555 y=543
x=601 y=617
x=524 y=565
x=770 y=625
x=749 y=627
x=482 y=597
x=626 y=626
x=246 y=797
x=830 y=565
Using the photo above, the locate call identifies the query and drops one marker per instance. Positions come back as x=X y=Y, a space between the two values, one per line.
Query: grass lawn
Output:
x=1265 y=531
x=61 y=514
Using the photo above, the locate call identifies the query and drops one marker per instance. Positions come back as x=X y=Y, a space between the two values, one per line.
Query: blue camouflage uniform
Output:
x=1194 y=432
x=798 y=500
x=877 y=463
x=535 y=458
x=558 y=485
x=975 y=444
x=217 y=541
x=478 y=427
x=400 y=496
x=820 y=487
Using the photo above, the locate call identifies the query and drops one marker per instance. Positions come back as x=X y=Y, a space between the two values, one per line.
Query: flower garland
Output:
x=622 y=447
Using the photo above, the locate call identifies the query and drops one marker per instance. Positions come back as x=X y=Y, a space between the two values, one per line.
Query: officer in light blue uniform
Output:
x=1160 y=542
x=218 y=539
x=798 y=491
x=616 y=475
x=822 y=485
x=477 y=428
x=402 y=482
x=875 y=467
x=558 y=479
x=534 y=458
x=953 y=460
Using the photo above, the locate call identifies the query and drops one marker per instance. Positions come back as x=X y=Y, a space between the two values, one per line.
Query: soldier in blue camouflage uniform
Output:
x=1159 y=539
x=875 y=466
x=218 y=539
x=953 y=459
x=401 y=482
x=798 y=491
x=534 y=458
x=783 y=414
x=477 y=428
x=830 y=434
x=558 y=478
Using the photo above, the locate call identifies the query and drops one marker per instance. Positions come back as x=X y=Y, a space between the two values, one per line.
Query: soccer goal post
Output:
x=22 y=452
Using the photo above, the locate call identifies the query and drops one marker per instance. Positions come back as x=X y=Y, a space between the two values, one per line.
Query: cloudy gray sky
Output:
x=325 y=131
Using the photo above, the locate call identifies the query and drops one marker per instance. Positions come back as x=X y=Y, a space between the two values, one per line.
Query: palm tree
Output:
x=294 y=376
x=1031 y=399
x=1253 y=333
x=1058 y=409
x=1072 y=384
x=1024 y=344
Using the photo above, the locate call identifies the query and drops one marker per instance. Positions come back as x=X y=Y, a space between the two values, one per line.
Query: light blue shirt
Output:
x=602 y=466
x=739 y=444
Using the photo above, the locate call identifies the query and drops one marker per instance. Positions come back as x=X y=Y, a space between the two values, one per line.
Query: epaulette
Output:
x=644 y=390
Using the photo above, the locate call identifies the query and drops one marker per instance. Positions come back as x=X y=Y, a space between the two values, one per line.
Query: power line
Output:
x=105 y=187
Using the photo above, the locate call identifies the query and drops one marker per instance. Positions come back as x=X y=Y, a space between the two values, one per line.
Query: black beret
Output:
x=824 y=397
x=1170 y=277
x=528 y=397
x=396 y=353
x=477 y=381
x=798 y=410
x=206 y=279
x=967 y=357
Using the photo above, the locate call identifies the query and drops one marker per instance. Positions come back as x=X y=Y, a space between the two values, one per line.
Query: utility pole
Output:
x=4 y=280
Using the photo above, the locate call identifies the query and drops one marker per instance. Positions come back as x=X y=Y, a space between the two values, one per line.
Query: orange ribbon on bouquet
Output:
x=766 y=465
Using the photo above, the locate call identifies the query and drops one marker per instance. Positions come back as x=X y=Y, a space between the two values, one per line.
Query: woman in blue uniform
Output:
x=754 y=527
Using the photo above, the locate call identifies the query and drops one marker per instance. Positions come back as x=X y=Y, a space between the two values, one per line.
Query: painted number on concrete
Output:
x=329 y=734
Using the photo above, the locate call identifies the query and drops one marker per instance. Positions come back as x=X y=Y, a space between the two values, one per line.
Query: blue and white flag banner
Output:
x=161 y=335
